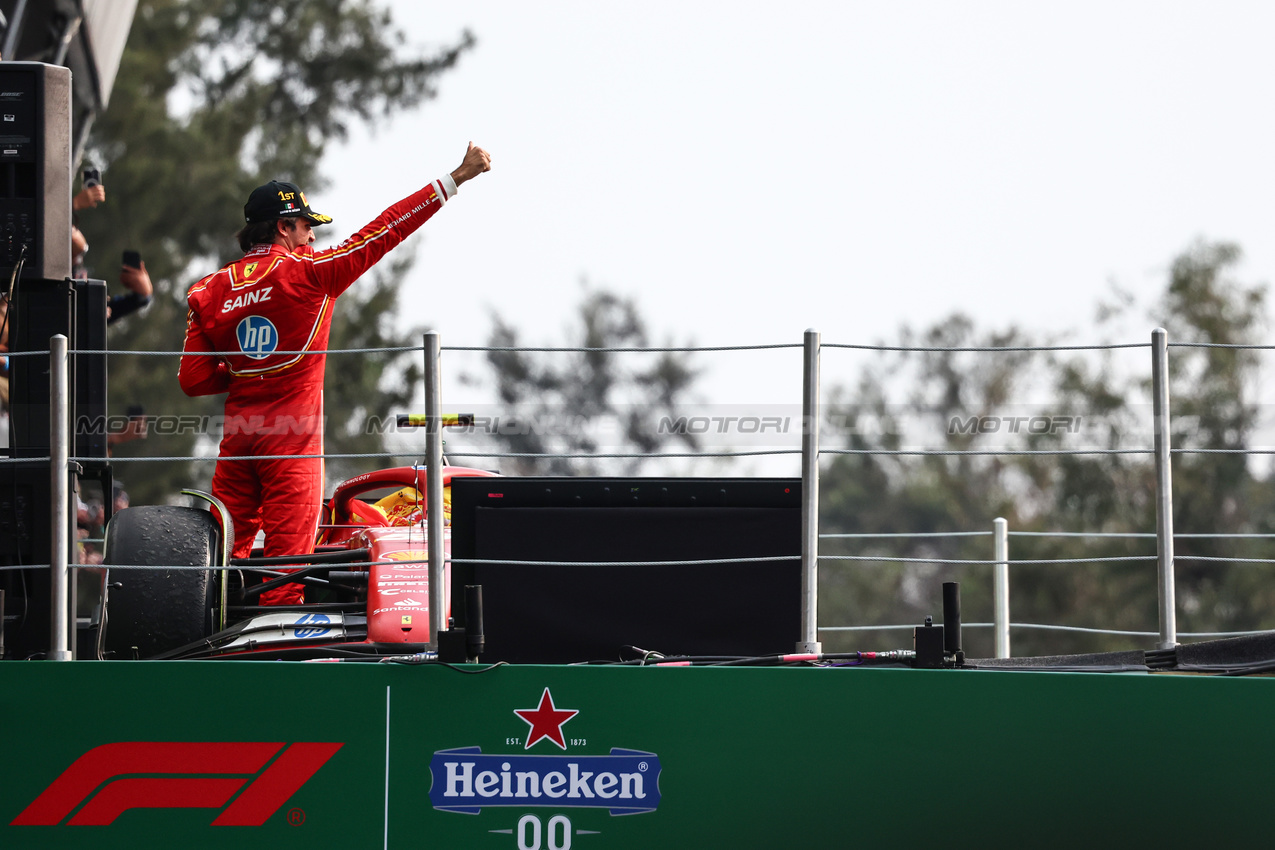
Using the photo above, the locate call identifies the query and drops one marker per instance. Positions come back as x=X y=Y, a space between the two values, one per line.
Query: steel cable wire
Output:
x=1048 y=627
x=985 y=348
x=902 y=560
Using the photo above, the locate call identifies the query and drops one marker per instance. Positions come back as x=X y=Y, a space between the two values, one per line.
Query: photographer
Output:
x=138 y=283
x=133 y=274
x=92 y=193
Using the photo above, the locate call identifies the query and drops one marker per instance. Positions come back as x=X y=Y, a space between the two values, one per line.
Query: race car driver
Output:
x=250 y=330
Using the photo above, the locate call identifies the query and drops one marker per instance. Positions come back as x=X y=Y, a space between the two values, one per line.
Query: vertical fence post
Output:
x=809 y=642
x=59 y=472
x=434 y=485
x=1000 y=586
x=1163 y=489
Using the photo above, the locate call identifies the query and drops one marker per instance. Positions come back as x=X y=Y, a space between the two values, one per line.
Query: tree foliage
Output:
x=587 y=400
x=1212 y=402
x=213 y=98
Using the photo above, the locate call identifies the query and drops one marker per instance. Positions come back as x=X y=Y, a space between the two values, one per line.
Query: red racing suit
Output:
x=265 y=314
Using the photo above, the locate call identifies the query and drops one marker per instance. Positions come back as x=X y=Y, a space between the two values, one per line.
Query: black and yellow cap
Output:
x=277 y=199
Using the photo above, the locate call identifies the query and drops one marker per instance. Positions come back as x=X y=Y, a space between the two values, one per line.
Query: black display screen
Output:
x=599 y=592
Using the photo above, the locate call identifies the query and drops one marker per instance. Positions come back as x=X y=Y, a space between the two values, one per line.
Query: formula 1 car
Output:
x=174 y=591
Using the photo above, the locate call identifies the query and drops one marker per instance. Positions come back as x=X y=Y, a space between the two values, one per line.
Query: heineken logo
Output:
x=467 y=780
x=545 y=721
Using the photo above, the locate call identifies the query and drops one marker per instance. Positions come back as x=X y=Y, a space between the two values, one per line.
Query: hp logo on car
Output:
x=257 y=337
x=311 y=626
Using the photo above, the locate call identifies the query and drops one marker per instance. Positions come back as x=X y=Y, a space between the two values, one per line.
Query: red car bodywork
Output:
x=398 y=569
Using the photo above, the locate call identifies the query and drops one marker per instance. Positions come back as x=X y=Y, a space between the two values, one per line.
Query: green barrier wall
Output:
x=653 y=758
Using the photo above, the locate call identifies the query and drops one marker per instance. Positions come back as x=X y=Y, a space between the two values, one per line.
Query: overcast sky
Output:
x=750 y=170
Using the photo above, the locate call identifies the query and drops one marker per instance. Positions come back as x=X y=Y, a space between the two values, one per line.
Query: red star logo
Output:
x=545 y=721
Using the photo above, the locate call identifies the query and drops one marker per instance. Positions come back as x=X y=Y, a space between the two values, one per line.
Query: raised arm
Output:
x=337 y=267
x=476 y=161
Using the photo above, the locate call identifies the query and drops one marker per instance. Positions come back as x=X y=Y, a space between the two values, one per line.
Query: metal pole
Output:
x=16 y=22
x=59 y=480
x=64 y=41
x=434 y=486
x=809 y=642
x=1163 y=489
x=1000 y=587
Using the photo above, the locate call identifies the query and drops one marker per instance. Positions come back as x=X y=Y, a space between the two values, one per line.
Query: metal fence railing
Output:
x=810 y=451
x=1002 y=563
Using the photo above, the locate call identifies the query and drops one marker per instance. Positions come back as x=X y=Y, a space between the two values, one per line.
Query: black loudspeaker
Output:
x=40 y=309
x=25 y=537
x=88 y=422
x=35 y=169
x=77 y=310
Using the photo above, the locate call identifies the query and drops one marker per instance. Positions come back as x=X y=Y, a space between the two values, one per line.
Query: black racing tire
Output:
x=154 y=611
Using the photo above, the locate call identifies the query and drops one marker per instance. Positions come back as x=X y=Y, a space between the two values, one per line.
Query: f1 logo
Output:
x=102 y=783
x=257 y=337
